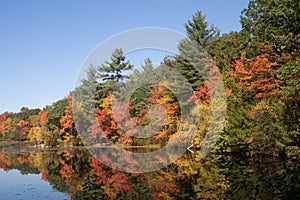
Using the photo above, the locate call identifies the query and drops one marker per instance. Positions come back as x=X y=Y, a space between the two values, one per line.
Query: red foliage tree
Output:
x=24 y=129
x=256 y=76
x=44 y=117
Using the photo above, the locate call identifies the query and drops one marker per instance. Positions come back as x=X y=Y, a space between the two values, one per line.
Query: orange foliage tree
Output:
x=256 y=77
x=24 y=129
x=66 y=121
x=3 y=127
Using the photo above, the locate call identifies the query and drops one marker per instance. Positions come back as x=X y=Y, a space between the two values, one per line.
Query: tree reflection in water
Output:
x=81 y=176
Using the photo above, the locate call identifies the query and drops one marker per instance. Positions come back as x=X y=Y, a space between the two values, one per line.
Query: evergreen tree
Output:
x=142 y=79
x=114 y=70
x=191 y=61
x=86 y=92
x=199 y=30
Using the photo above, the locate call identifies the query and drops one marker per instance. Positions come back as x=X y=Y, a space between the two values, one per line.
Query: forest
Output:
x=260 y=69
x=259 y=66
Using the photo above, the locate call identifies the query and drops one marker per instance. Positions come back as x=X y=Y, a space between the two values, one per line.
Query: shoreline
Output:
x=27 y=146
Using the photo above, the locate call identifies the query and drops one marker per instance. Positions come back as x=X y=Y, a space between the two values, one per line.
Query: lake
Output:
x=15 y=185
x=73 y=173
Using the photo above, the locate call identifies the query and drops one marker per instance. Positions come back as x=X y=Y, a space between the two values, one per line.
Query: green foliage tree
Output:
x=55 y=111
x=114 y=70
x=199 y=30
x=226 y=49
x=273 y=22
x=25 y=113
x=139 y=96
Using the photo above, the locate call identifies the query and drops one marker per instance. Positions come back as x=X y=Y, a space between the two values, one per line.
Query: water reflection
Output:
x=17 y=186
x=79 y=175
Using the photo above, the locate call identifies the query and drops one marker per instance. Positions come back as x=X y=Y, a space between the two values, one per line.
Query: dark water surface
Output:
x=75 y=174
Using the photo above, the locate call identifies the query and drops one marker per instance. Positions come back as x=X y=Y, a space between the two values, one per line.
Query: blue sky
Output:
x=43 y=43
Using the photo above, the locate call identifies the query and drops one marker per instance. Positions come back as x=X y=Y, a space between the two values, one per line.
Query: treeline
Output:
x=259 y=66
x=50 y=126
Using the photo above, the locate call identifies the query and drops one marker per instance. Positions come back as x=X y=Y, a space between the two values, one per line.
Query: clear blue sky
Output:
x=44 y=42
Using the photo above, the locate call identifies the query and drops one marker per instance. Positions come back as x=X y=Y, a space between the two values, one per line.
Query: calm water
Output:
x=75 y=174
x=14 y=185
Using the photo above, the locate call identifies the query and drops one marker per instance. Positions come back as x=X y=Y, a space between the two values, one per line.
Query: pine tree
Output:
x=114 y=70
x=199 y=30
